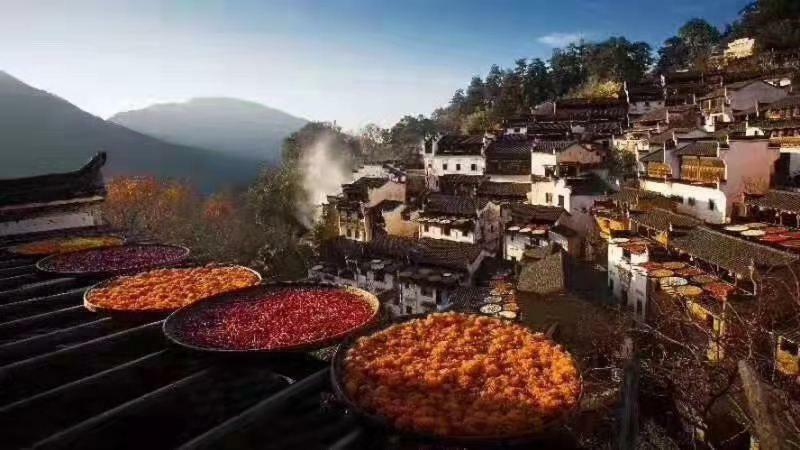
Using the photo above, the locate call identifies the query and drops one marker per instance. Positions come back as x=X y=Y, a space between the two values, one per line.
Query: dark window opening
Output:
x=458 y=167
x=444 y=166
x=474 y=167
x=561 y=201
x=711 y=205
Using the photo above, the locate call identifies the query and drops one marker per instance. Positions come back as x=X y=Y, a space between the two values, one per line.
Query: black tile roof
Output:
x=661 y=219
x=504 y=189
x=654 y=156
x=523 y=214
x=510 y=146
x=82 y=183
x=406 y=250
x=730 y=253
x=655 y=115
x=454 y=144
x=552 y=146
x=699 y=149
x=451 y=205
x=777 y=199
x=454 y=179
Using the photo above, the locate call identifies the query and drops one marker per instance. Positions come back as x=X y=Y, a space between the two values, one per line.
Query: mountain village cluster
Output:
x=711 y=208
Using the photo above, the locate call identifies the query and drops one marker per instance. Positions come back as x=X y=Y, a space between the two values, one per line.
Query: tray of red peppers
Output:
x=278 y=317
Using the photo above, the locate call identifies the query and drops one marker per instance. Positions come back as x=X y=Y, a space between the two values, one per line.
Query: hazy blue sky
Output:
x=351 y=61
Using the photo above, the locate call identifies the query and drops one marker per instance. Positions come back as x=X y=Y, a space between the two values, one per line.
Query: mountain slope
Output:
x=233 y=126
x=42 y=133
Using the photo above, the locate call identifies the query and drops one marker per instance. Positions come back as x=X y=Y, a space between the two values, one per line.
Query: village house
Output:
x=555 y=159
x=354 y=208
x=454 y=154
x=526 y=227
x=707 y=177
x=412 y=276
x=508 y=158
x=53 y=202
x=723 y=103
x=461 y=219
x=643 y=97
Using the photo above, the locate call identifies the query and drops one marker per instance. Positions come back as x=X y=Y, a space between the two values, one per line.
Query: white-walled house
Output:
x=508 y=158
x=643 y=98
x=454 y=155
x=627 y=279
x=417 y=275
x=707 y=177
x=564 y=158
x=460 y=219
x=527 y=226
x=354 y=207
x=576 y=195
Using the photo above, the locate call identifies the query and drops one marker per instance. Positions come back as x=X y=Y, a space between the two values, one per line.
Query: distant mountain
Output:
x=230 y=125
x=41 y=133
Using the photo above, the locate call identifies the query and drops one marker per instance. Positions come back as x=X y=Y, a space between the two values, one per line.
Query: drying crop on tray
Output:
x=114 y=259
x=65 y=245
x=462 y=375
x=168 y=289
x=274 y=319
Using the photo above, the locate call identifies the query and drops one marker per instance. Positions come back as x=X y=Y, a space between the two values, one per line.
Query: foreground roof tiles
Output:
x=82 y=183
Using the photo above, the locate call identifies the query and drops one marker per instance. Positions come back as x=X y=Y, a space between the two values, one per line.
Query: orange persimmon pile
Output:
x=169 y=289
x=65 y=245
x=453 y=374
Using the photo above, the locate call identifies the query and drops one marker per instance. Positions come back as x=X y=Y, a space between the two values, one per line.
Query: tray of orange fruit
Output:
x=162 y=291
x=456 y=378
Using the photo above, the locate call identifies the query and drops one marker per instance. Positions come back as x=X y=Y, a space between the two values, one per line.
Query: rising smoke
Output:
x=324 y=168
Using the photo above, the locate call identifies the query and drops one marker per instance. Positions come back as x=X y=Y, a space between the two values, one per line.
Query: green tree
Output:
x=568 y=67
x=477 y=123
x=537 y=84
x=700 y=37
x=775 y=24
x=618 y=59
x=673 y=55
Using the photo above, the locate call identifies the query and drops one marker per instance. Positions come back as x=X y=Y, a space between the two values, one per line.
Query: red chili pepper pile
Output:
x=112 y=259
x=275 y=320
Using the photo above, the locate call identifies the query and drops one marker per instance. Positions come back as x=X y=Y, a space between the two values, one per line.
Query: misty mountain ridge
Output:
x=233 y=126
x=42 y=133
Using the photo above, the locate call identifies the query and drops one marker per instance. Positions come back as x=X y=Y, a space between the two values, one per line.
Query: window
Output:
x=491 y=228
x=444 y=166
x=349 y=233
x=458 y=167
x=646 y=103
x=427 y=228
x=610 y=285
x=690 y=201
x=516 y=130
x=639 y=307
x=711 y=205
x=408 y=310
x=474 y=167
x=548 y=198
x=561 y=201
x=447 y=231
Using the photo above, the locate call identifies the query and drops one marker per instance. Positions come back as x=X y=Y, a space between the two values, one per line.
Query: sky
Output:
x=352 y=61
